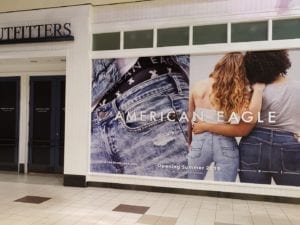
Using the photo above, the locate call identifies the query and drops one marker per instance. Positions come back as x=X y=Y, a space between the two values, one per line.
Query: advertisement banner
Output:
x=227 y=117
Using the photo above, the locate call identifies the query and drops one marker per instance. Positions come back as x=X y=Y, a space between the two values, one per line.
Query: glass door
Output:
x=9 y=120
x=46 y=126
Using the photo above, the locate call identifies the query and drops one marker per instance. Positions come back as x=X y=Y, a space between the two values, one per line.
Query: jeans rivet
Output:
x=102 y=114
x=172 y=116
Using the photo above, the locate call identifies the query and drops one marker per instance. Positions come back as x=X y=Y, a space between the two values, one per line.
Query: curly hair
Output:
x=266 y=66
x=230 y=87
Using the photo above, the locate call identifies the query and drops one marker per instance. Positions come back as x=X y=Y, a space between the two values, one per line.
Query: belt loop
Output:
x=115 y=108
x=272 y=136
x=177 y=83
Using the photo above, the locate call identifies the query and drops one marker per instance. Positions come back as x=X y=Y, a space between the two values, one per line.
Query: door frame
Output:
x=53 y=159
x=15 y=165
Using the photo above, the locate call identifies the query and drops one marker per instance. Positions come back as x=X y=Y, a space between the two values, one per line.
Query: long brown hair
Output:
x=229 y=90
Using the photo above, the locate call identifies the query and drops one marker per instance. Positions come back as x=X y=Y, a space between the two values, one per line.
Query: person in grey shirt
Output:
x=270 y=147
x=281 y=98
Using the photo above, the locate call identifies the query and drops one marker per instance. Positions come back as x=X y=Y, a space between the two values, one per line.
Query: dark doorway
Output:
x=9 y=122
x=46 y=124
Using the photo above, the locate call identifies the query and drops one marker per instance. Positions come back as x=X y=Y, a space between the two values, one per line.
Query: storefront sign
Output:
x=36 y=33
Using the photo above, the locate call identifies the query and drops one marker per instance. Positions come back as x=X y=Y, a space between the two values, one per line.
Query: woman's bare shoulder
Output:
x=200 y=85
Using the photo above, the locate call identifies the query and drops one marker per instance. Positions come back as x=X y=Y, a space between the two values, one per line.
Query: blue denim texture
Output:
x=267 y=154
x=141 y=147
x=106 y=74
x=208 y=148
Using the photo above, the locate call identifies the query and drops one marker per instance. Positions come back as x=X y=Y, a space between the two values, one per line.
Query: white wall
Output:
x=77 y=73
x=175 y=13
x=78 y=97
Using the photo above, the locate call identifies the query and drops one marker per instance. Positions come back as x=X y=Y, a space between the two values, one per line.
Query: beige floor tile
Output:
x=128 y=220
x=295 y=221
x=260 y=219
x=211 y=205
x=188 y=216
x=166 y=221
x=281 y=221
x=205 y=217
x=242 y=220
x=224 y=217
x=220 y=223
x=148 y=219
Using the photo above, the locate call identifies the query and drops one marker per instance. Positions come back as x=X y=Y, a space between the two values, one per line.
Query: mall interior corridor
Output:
x=38 y=199
x=150 y=112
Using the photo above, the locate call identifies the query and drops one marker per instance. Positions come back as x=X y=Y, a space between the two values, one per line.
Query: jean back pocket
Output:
x=250 y=153
x=229 y=147
x=196 y=148
x=290 y=155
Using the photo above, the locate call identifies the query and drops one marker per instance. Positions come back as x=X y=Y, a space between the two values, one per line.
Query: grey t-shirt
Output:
x=283 y=101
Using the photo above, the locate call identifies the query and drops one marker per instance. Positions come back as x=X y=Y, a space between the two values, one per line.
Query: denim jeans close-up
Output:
x=208 y=148
x=140 y=132
x=267 y=154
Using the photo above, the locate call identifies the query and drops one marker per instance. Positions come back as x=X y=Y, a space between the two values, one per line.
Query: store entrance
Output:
x=9 y=122
x=46 y=124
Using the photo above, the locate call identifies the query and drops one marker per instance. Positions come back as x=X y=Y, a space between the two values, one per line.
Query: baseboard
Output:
x=219 y=194
x=74 y=180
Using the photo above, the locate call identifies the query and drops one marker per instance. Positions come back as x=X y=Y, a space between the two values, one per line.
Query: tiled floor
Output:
x=101 y=206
